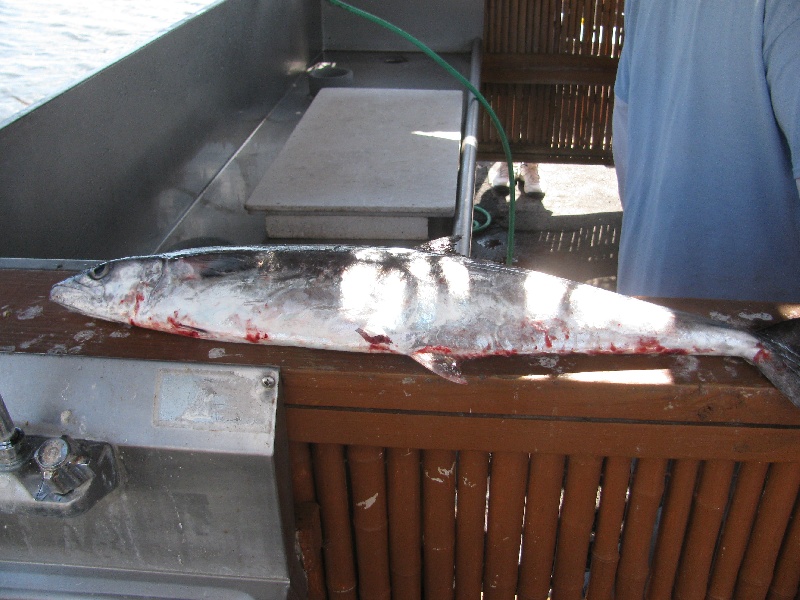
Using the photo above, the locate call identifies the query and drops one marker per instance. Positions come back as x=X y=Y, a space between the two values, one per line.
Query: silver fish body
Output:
x=437 y=309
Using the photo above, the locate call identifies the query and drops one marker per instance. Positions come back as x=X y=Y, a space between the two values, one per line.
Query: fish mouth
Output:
x=74 y=296
x=63 y=294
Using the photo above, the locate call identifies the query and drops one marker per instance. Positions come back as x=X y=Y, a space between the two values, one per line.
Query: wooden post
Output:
x=473 y=473
x=439 y=522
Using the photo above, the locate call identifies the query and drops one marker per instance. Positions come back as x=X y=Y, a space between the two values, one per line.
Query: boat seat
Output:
x=365 y=163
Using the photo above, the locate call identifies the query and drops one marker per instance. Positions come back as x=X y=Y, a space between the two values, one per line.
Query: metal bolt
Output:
x=52 y=453
x=268 y=381
x=61 y=467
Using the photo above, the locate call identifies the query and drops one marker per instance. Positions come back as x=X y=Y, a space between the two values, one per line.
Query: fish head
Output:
x=113 y=290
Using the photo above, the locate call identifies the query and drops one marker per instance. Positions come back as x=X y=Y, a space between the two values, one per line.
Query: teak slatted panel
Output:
x=548 y=72
x=573 y=516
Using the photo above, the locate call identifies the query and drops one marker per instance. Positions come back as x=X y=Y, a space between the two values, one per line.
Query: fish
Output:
x=434 y=306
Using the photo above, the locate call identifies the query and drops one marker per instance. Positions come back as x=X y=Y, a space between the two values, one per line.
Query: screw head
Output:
x=268 y=381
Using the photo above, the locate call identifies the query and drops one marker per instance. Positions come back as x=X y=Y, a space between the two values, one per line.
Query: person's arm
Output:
x=619 y=124
x=782 y=61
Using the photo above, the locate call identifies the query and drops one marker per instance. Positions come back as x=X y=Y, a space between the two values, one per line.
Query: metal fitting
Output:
x=62 y=467
x=11 y=451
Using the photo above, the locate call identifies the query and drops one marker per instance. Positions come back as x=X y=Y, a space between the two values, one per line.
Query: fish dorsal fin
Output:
x=444 y=365
x=442 y=245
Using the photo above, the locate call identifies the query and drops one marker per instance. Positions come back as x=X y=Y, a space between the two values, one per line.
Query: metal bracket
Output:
x=56 y=476
x=86 y=472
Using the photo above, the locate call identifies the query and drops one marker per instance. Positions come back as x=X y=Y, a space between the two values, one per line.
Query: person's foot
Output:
x=498 y=177
x=527 y=175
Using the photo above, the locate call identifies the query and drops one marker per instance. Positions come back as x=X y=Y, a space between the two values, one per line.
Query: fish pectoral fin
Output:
x=444 y=365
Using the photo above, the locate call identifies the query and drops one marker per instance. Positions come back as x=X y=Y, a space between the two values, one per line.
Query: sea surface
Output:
x=47 y=46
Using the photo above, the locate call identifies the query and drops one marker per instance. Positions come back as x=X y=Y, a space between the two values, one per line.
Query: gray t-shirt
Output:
x=711 y=206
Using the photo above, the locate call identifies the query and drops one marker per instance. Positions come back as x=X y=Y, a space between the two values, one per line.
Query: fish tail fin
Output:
x=781 y=365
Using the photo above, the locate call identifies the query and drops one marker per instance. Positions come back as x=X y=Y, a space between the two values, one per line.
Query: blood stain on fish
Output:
x=377 y=343
x=762 y=355
x=254 y=336
x=182 y=329
x=434 y=350
x=543 y=331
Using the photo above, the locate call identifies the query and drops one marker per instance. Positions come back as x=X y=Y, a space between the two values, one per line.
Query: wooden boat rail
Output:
x=564 y=477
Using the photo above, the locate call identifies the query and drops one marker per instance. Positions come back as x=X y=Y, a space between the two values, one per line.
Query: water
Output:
x=48 y=45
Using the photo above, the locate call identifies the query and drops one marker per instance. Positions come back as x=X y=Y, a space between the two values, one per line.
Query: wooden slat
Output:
x=370 y=523
x=504 y=524
x=646 y=494
x=439 y=494
x=513 y=26
x=544 y=27
x=786 y=582
x=548 y=69
x=674 y=517
x=524 y=24
x=704 y=526
x=605 y=549
x=554 y=26
x=302 y=472
x=541 y=525
x=575 y=528
x=331 y=483
x=514 y=434
x=307 y=519
x=613 y=24
x=473 y=473
x=309 y=541
x=573 y=120
x=606 y=22
x=568 y=32
x=532 y=111
x=535 y=151
x=607 y=118
x=505 y=21
x=736 y=532
x=538 y=26
x=780 y=494
x=405 y=522
x=594 y=20
x=639 y=390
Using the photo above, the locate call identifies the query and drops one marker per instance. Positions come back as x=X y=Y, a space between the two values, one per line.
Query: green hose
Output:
x=467 y=84
x=477 y=226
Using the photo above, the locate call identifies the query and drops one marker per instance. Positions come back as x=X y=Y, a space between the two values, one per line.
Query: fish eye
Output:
x=99 y=271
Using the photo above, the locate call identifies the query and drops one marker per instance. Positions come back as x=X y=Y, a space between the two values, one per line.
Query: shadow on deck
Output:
x=578 y=246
